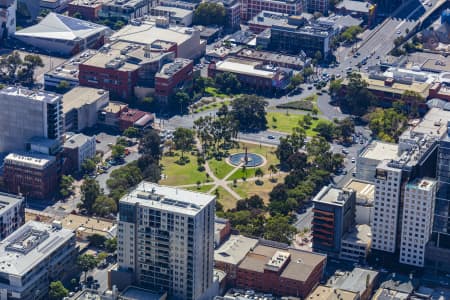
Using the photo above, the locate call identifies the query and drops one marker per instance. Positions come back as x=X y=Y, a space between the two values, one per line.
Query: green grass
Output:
x=214 y=92
x=285 y=123
x=181 y=174
x=211 y=106
x=220 y=168
x=228 y=201
x=249 y=188
x=204 y=188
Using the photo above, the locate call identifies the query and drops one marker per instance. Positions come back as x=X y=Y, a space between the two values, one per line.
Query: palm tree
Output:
x=273 y=170
x=259 y=173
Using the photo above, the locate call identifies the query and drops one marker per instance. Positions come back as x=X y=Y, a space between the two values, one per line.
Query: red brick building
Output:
x=172 y=77
x=134 y=118
x=87 y=9
x=32 y=174
x=284 y=272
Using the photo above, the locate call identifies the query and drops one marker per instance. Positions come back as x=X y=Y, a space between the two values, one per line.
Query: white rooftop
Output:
x=234 y=250
x=29 y=245
x=434 y=124
x=77 y=140
x=55 y=26
x=168 y=198
x=379 y=150
x=80 y=96
x=243 y=67
x=30 y=160
x=8 y=200
x=30 y=94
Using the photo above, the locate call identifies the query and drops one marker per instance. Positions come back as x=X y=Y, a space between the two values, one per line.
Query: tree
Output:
x=117 y=152
x=209 y=13
x=318 y=55
x=57 y=291
x=250 y=112
x=90 y=190
x=358 y=98
x=88 y=166
x=387 y=124
x=119 y=24
x=150 y=143
x=65 y=186
x=131 y=132
x=104 y=206
x=325 y=129
x=97 y=240
x=345 y=128
x=259 y=173
x=63 y=86
x=111 y=245
x=335 y=86
x=273 y=170
x=77 y=15
x=296 y=81
x=277 y=228
x=183 y=139
x=308 y=71
x=179 y=102
x=412 y=100
x=228 y=83
x=86 y=262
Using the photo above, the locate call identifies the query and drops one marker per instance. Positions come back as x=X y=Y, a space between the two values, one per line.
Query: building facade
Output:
x=172 y=77
x=250 y=8
x=8 y=10
x=166 y=239
x=77 y=149
x=125 y=9
x=27 y=114
x=12 y=213
x=32 y=257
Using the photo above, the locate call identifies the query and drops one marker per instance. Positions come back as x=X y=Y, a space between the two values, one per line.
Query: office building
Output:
x=32 y=257
x=172 y=77
x=76 y=149
x=12 y=213
x=371 y=155
x=280 y=271
x=359 y=280
x=166 y=239
x=253 y=74
x=89 y=10
x=334 y=215
x=25 y=114
x=417 y=221
x=63 y=35
x=177 y=16
x=8 y=10
x=33 y=175
x=250 y=8
x=81 y=106
x=318 y=6
x=355 y=244
x=365 y=194
x=358 y=9
x=125 y=9
x=294 y=62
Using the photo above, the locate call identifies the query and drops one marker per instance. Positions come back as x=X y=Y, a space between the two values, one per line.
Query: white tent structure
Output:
x=65 y=35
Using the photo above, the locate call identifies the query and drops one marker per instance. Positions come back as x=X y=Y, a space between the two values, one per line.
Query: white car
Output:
x=353 y=160
x=398 y=32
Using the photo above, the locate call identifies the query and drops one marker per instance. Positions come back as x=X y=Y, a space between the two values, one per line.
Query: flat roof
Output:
x=177 y=12
x=234 y=250
x=379 y=150
x=167 y=198
x=115 y=107
x=87 y=224
x=30 y=159
x=80 y=96
x=358 y=6
x=246 y=67
x=360 y=234
x=69 y=69
x=29 y=245
x=423 y=184
x=364 y=190
x=300 y=266
x=88 y=3
x=331 y=195
x=30 y=94
x=354 y=281
x=434 y=123
x=77 y=140
x=170 y=69
x=436 y=65
x=272 y=57
x=398 y=88
x=136 y=293
x=114 y=56
x=386 y=294
x=322 y=292
x=9 y=200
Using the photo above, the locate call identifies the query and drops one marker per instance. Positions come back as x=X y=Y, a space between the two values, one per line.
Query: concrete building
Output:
x=355 y=244
x=334 y=214
x=31 y=174
x=26 y=114
x=89 y=10
x=222 y=230
x=250 y=8
x=63 y=35
x=125 y=9
x=32 y=257
x=110 y=115
x=81 y=107
x=253 y=74
x=54 y=5
x=418 y=209
x=280 y=271
x=77 y=148
x=178 y=225
x=177 y=16
x=359 y=280
x=318 y=5
x=371 y=155
x=327 y=293
x=12 y=213
x=174 y=76
x=158 y=32
x=231 y=253
x=358 y=9
x=294 y=62
x=8 y=10
x=365 y=194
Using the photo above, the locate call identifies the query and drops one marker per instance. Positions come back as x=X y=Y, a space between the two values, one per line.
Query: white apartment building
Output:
x=166 y=239
x=8 y=10
x=32 y=257
x=12 y=213
x=387 y=198
x=417 y=221
x=26 y=114
x=78 y=148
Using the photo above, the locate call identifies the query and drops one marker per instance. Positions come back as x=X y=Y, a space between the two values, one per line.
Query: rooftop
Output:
x=357 y=6
x=354 y=281
x=89 y=224
x=174 y=11
x=55 y=26
x=327 y=293
x=246 y=67
x=332 y=195
x=299 y=267
x=234 y=250
x=8 y=200
x=29 y=245
x=273 y=57
x=170 y=69
x=168 y=198
x=364 y=190
x=397 y=87
x=379 y=150
x=80 y=96
x=136 y=293
x=77 y=140
x=385 y=294
x=268 y=18
x=69 y=69
x=30 y=160
x=115 y=107
x=422 y=184
x=30 y=94
x=436 y=65
x=360 y=234
x=88 y=3
x=434 y=124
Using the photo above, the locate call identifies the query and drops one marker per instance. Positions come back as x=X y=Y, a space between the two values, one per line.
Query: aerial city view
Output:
x=224 y=150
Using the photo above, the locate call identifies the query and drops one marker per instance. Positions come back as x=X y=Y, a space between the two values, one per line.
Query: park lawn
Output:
x=181 y=174
x=227 y=200
x=214 y=92
x=267 y=152
x=249 y=188
x=220 y=168
x=285 y=123
x=204 y=187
